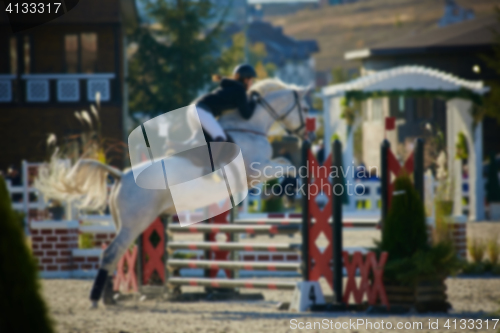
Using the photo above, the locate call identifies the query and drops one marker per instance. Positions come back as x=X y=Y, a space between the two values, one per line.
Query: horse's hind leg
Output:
x=133 y=222
x=109 y=260
x=108 y=294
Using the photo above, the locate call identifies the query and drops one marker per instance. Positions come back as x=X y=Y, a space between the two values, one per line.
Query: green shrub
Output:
x=493 y=250
x=474 y=268
x=476 y=249
x=22 y=308
x=495 y=270
x=492 y=183
x=404 y=231
x=461 y=147
x=440 y=260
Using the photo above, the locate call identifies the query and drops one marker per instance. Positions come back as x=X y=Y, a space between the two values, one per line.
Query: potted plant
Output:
x=404 y=233
x=430 y=268
x=493 y=189
x=416 y=269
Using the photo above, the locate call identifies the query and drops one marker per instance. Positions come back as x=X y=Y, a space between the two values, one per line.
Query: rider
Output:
x=231 y=94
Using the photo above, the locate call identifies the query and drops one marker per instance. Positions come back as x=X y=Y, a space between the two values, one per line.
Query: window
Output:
x=27 y=54
x=71 y=53
x=13 y=55
x=81 y=52
x=89 y=52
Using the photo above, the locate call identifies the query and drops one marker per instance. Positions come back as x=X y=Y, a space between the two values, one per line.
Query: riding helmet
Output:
x=245 y=71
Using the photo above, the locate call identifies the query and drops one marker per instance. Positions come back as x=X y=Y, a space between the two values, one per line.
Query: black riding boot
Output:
x=215 y=153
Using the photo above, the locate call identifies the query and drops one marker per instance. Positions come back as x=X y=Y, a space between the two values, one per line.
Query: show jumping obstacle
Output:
x=157 y=264
x=60 y=256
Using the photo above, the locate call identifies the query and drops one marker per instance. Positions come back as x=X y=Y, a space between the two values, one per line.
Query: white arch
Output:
x=406 y=77
x=422 y=79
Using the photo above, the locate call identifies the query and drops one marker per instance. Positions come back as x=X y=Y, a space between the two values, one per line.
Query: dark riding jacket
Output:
x=231 y=94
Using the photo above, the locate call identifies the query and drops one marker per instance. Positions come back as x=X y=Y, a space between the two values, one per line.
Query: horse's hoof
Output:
x=109 y=301
x=93 y=305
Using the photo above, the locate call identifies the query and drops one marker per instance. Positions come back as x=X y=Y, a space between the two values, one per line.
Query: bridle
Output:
x=279 y=118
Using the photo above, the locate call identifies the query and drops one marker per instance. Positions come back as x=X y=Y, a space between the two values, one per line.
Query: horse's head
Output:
x=284 y=104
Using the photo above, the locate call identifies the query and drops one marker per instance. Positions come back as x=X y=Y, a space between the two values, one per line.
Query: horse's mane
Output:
x=267 y=86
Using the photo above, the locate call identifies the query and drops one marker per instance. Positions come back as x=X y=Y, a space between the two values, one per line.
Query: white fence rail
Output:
x=365 y=197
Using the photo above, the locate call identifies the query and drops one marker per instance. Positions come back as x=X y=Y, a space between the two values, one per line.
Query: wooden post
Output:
x=168 y=238
x=234 y=239
x=139 y=265
x=384 y=181
x=337 y=192
x=418 y=168
x=306 y=146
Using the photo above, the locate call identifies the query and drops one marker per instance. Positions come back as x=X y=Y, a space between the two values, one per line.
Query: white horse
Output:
x=134 y=208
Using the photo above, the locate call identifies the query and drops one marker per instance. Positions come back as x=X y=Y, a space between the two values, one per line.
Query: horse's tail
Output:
x=85 y=182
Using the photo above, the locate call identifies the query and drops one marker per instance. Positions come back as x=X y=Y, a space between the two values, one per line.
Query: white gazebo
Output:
x=419 y=81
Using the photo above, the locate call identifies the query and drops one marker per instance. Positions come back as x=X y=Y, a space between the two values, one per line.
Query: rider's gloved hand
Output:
x=255 y=96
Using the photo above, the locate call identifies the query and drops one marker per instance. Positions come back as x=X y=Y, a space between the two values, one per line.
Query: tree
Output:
x=22 y=307
x=492 y=99
x=175 y=56
x=492 y=184
x=235 y=55
x=404 y=231
x=339 y=75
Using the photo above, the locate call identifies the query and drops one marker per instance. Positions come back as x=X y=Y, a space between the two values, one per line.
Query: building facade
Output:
x=50 y=71
x=457 y=49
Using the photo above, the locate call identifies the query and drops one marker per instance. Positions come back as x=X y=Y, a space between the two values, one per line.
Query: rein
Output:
x=275 y=115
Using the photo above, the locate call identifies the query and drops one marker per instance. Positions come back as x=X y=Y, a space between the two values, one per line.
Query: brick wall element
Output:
x=52 y=242
x=101 y=234
x=459 y=231
x=86 y=262
x=55 y=247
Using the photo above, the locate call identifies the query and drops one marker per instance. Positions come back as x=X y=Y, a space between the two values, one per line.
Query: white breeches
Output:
x=210 y=124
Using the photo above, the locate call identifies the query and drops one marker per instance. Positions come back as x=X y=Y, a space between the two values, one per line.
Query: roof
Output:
x=470 y=34
x=407 y=78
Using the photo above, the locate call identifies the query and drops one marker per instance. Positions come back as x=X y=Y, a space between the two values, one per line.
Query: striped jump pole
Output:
x=228 y=228
x=216 y=246
x=244 y=265
x=228 y=283
x=349 y=220
x=269 y=218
